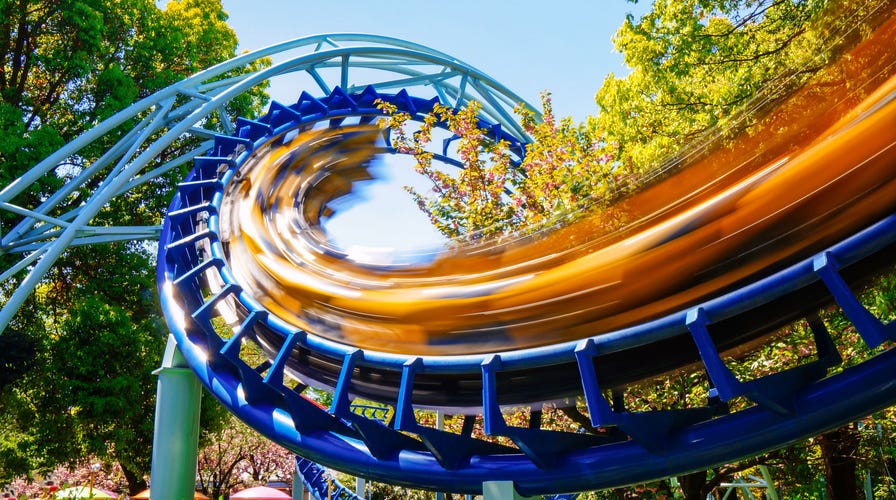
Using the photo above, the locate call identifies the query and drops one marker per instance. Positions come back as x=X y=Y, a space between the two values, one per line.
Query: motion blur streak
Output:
x=818 y=167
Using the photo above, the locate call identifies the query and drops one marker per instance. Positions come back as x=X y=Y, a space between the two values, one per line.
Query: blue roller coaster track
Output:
x=198 y=290
x=316 y=480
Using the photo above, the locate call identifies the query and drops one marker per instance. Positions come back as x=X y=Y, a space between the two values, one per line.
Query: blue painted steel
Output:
x=183 y=108
x=341 y=401
x=319 y=483
x=791 y=405
x=493 y=420
x=872 y=330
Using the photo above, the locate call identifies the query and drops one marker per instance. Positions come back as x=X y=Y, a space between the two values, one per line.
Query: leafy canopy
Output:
x=91 y=333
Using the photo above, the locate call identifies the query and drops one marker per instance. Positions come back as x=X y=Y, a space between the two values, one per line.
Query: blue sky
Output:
x=562 y=46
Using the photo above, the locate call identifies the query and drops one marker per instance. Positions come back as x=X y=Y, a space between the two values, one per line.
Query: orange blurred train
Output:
x=817 y=168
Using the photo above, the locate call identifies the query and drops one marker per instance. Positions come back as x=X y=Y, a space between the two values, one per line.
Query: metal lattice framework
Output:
x=197 y=286
x=322 y=62
x=194 y=280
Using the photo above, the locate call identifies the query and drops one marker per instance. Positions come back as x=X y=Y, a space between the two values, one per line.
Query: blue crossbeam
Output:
x=624 y=446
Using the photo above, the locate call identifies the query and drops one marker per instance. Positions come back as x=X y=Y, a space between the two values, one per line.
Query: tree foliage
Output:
x=84 y=472
x=91 y=334
x=236 y=457
x=705 y=68
x=566 y=168
x=91 y=387
x=702 y=71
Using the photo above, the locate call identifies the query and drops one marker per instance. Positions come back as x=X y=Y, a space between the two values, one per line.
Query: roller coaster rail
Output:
x=194 y=279
x=317 y=481
x=45 y=231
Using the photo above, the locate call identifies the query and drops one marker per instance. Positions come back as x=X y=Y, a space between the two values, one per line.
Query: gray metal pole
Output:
x=360 y=487
x=298 y=487
x=440 y=425
x=869 y=487
x=770 y=491
x=175 y=444
x=500 y=490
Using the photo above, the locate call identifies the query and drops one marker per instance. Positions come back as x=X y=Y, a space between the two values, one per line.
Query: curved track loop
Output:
x=316 y=63
x=828 y=225
x=200 y=297
x=318 y=482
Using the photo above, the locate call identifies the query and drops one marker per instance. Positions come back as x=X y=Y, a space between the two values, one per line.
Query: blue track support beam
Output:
x=197 y=287
x=493 y=420
x=620 y=447
x=598 y=408
x=872 y=330
x=310 y=480
x=404 y=409
x=772 y=391
x=176 y=435
x=341 y=400
x=725 y=384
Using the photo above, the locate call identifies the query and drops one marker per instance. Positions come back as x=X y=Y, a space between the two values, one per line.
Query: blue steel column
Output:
x=175 y=441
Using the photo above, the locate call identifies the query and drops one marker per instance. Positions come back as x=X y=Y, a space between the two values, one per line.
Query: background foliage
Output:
x=702 y=72
x=75 y=364
x=82 y=350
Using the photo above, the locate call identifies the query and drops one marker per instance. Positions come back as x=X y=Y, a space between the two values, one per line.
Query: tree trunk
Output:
x=136 y=483
x=692 y=485
x=838 y=451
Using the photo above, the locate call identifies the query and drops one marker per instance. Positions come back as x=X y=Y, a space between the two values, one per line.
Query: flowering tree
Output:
x=91 y=471
x=238 y=457
x=235 y=458
x=697 y=69
x=565 y=168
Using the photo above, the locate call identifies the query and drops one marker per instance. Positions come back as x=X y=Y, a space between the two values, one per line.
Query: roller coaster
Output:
x=741 y=238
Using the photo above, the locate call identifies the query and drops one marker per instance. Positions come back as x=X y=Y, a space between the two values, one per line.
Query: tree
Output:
x=92 y=385
x=566 y=168
x=92 y=327
x=84 y=472
x=17 y=353
x=706 y=70
x=703 y=68
x=237 y=457
x=702 y=73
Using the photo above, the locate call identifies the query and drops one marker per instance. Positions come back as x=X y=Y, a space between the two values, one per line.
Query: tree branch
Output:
x=22 y=33
x=756 y=57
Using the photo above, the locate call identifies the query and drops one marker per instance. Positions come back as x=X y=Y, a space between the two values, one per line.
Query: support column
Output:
x=440 y=425
x=770 y=491
x=500 y=490
x=175 y=444
x=360 y=487
x=298 y=486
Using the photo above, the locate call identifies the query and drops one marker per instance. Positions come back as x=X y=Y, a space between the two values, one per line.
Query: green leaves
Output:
x=115 y=90
x=86 y=387
x=93 y=388
x=566 y=167
x=695 y=62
